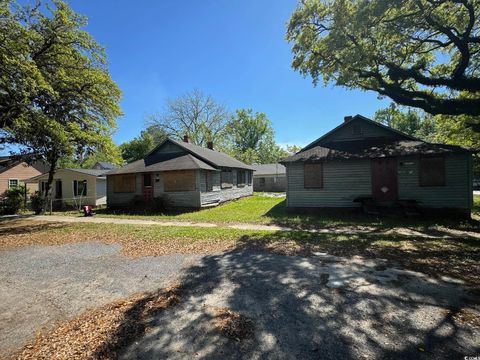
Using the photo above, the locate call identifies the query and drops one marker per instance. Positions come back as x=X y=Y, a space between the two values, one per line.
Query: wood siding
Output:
x=21 y=172
x=348 y=179
x=343 y=181
x=272 y=183
x=219 y=195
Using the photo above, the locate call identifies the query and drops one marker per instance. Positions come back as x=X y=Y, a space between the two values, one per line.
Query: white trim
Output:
x=11 y=187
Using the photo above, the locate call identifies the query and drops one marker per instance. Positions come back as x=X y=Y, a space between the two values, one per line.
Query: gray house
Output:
x=182 y=175
x=364 y=160
x=269 y=177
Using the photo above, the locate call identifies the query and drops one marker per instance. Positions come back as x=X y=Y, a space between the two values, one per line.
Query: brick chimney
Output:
x=347 y=118
x=210 y=145
x=186 y=138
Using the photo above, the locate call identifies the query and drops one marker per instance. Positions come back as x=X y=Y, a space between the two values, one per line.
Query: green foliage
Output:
x=68 y=102
x=137 y=148
x=251 y=138
x=420 y=53
x=13 y=200
x=37 y=203
x=410 y=121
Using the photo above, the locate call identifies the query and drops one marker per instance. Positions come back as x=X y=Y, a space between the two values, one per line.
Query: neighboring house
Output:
x=14 y=171
x=75 y=187
x=182 y=175
x=364 y=159
x=102 y=165
x=269 y=177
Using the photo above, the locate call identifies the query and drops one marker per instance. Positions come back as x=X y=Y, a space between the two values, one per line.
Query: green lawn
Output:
x=267 y=210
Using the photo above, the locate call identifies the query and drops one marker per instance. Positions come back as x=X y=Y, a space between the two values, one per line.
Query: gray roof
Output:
x=105 y=165
x=214 y=157
x=93 y=172
x=269 y=169
x=185 y=162
x=372 y=148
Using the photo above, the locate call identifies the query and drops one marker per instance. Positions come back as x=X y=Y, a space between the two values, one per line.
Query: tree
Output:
x=72 y=106
x=409 y=121
x=420 y=53
x=194 y=114
x=251 y=138
x=137 y=148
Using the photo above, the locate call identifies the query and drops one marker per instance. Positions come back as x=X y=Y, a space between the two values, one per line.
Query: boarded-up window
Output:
x=226 y=179
x=124 y=183
x=313 y=175
x=181 y=180
x=208 y=180
x=241 y=178
x=432 y=171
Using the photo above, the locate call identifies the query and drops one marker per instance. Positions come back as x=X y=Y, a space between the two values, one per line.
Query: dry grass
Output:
x=100 y=333
x=465 y=316
x=232 y=324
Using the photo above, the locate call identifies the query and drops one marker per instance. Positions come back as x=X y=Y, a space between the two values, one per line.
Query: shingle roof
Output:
x=269 y=169
x=185 y=162
x=214 y=157
x=372 y=148
x=93 y=172
x=105 y=165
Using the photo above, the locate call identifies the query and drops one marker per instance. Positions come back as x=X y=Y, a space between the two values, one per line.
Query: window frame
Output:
x=241 y=178
x=225 y=184
x=116 y=190
x=422 y=182
x=310 y=186
x=15 y=186
x=84 y=189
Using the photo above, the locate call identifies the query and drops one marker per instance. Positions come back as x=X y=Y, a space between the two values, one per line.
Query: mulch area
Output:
x=101 y=333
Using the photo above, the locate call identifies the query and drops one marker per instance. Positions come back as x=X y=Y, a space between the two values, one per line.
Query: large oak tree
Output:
x=420 y=53
x=57 y=99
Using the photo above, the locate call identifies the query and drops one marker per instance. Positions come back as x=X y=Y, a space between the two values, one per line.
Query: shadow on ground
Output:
x=310 y=308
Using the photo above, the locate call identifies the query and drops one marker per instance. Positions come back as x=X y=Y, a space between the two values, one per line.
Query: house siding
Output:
x=348 y=179
x=67 y=177
x=273 y=183
x=21 y=172
x=343 y=181
x=457 y=192
x=219 y=195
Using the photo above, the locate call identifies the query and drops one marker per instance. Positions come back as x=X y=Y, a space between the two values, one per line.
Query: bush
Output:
x=13 y=200
x=38 y=203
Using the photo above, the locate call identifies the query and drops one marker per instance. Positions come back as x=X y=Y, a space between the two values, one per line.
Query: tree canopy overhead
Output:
x=420 y=53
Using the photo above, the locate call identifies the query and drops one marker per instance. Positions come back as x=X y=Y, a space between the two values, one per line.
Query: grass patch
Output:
x=261 y=209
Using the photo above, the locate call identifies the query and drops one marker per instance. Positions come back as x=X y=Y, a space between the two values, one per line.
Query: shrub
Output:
x=13 y=200
x=38 y=203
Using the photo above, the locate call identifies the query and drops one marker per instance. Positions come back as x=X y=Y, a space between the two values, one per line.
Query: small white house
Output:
x=75 y=187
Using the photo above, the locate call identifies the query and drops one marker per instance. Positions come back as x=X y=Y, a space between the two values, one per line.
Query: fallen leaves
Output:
x=103 y=332
x=232 y=324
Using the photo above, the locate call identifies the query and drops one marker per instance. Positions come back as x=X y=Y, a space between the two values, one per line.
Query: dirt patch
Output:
x=103 y=332
x=232 y=324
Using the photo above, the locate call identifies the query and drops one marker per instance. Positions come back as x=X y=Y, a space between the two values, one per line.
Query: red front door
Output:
x=384 y=179
x=147 y=187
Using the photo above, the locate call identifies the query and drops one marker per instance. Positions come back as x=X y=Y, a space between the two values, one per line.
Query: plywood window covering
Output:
x=241 y=178
x=226 y=179
x=208 y=180
x=181 y=180
x=313 y=175
x=432 y=171
x=124 y=183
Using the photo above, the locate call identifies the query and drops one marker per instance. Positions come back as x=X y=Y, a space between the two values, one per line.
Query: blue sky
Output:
x=234 y=50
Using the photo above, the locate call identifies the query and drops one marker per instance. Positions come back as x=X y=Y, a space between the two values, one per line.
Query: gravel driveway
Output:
x=321 y=307
x=43 y=284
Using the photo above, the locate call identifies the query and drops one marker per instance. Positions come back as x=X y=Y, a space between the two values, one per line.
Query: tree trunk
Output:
x=48 y=185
